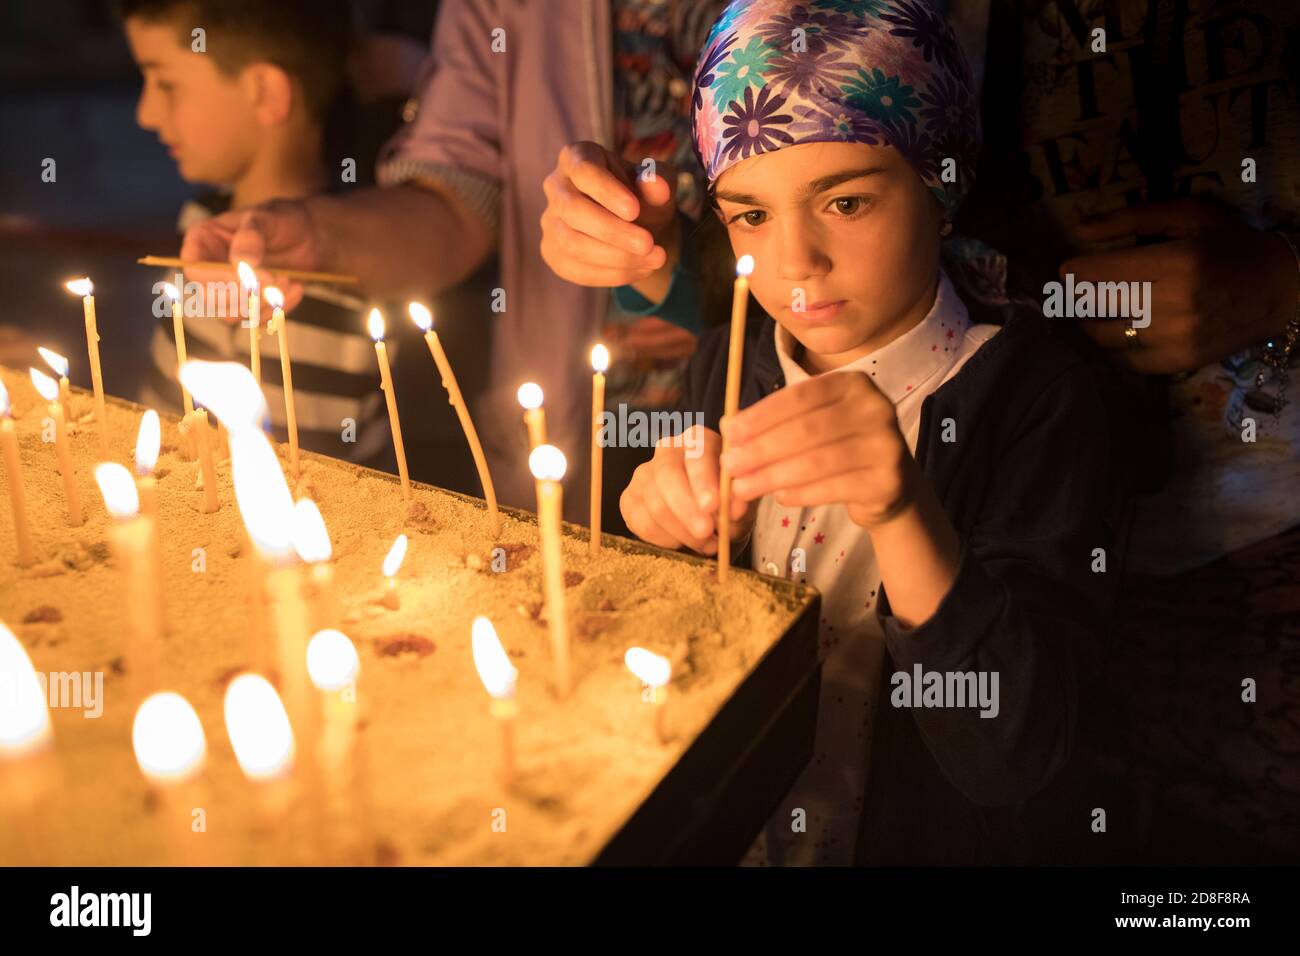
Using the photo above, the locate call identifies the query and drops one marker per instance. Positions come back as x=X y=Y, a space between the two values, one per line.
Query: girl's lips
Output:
x=820 y=311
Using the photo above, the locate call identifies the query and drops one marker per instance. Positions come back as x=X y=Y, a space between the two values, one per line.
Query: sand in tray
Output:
x=423 y=787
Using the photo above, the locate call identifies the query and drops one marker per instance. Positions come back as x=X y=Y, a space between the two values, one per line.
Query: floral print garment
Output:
x=776 y=73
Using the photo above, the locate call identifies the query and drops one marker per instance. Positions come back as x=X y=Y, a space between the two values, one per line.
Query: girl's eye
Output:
x=849 y=205
x=754 y=217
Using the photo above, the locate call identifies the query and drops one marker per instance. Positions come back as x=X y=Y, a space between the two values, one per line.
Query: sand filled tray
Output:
x=419 y=783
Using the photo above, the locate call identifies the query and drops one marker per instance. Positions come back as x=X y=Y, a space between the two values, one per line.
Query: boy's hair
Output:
x=308 y=39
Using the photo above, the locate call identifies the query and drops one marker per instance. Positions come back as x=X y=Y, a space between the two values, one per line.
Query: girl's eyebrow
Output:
x=818 y=185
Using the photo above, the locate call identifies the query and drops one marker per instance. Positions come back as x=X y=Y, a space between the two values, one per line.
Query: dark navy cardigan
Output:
x=1027 y=485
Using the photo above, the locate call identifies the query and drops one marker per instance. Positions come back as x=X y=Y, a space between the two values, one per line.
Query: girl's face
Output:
x=845 y=240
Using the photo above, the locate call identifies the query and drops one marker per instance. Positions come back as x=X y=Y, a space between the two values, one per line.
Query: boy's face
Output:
x=201 y=114
x=849 y=229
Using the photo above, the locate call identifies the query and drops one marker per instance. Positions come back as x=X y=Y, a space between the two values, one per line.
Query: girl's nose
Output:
x=801 y=253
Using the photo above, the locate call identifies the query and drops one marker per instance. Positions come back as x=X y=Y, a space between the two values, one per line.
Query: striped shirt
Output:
x=335 y=372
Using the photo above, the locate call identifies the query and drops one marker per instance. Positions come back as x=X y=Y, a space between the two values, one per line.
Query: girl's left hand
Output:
x=833 y=439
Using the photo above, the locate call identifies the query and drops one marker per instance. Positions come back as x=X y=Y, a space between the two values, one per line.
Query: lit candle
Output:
x=178 y=327
x=262 y=738
x=311 y=541
x=599 y=362
x=198 y=425
x=334 y=666
x=234 y=398
x=530 y=397
x=86 y=289
x=739 y=306
x=132 y=543
x=60 y=365
x=267 y=508
x=392 y=562
x=14 y=479
x=547 y=464
x=28 y=774
x=147 y=443
x=498 y=676
x=248 y=280
x=386 y=383
x=653 y=671
x=280 y=326
x=49 y=390
x=423 y=318
x=170 y=749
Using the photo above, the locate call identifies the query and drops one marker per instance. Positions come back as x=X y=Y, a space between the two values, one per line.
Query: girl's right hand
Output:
x=672 y=500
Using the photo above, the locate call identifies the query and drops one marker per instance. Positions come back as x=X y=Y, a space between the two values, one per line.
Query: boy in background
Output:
x=244 y=107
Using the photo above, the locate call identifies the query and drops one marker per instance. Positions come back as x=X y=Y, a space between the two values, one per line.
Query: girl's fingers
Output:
x=792 y=438
x=824 y=461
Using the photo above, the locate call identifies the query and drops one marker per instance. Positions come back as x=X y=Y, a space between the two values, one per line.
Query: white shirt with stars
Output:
x=840 y=562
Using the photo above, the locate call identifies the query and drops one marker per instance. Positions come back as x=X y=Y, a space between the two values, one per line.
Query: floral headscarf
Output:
x=778 y=73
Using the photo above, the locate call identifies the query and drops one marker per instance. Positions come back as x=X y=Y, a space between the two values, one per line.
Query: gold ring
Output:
x=1131 y=337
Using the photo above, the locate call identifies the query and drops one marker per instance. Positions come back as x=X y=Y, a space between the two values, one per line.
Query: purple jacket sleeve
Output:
x=455 y=136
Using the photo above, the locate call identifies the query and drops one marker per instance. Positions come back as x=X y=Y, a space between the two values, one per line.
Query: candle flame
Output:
x=258 y=727
x=274 y=297
x=744 y=265
x=332 y=661
x=310 y=538
x=82 y=287
x=171 y=292
x=4 y=402
x=494 y=668
x=228 y=389
x=420 y=315
x=376 y=324
x=48 y=388
x=600 y=358
x=262 y=493
x=168 y=738
x=530 y=395
x=54 y=360
x=547 y=463
x=247 y=277
x=396 y=555
x=147 y=442
x=121 y=499
x=649 y=667
x=24 y=715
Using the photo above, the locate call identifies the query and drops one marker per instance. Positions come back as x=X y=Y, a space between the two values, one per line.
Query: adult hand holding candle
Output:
x=390 y=396
x=498 y=676
x=599 y=362
x=14 y=479
x=530 y=397
x=170 y=749
x=86 y=289
x=49 y=390
x=735 y=354
x=653 y=671
x=280 y=326
x=248 y=281
x=60 y=365
x=548 y=465
x=423 y=318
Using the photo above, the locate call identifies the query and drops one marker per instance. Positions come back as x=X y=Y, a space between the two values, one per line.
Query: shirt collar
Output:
x=910 y=361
